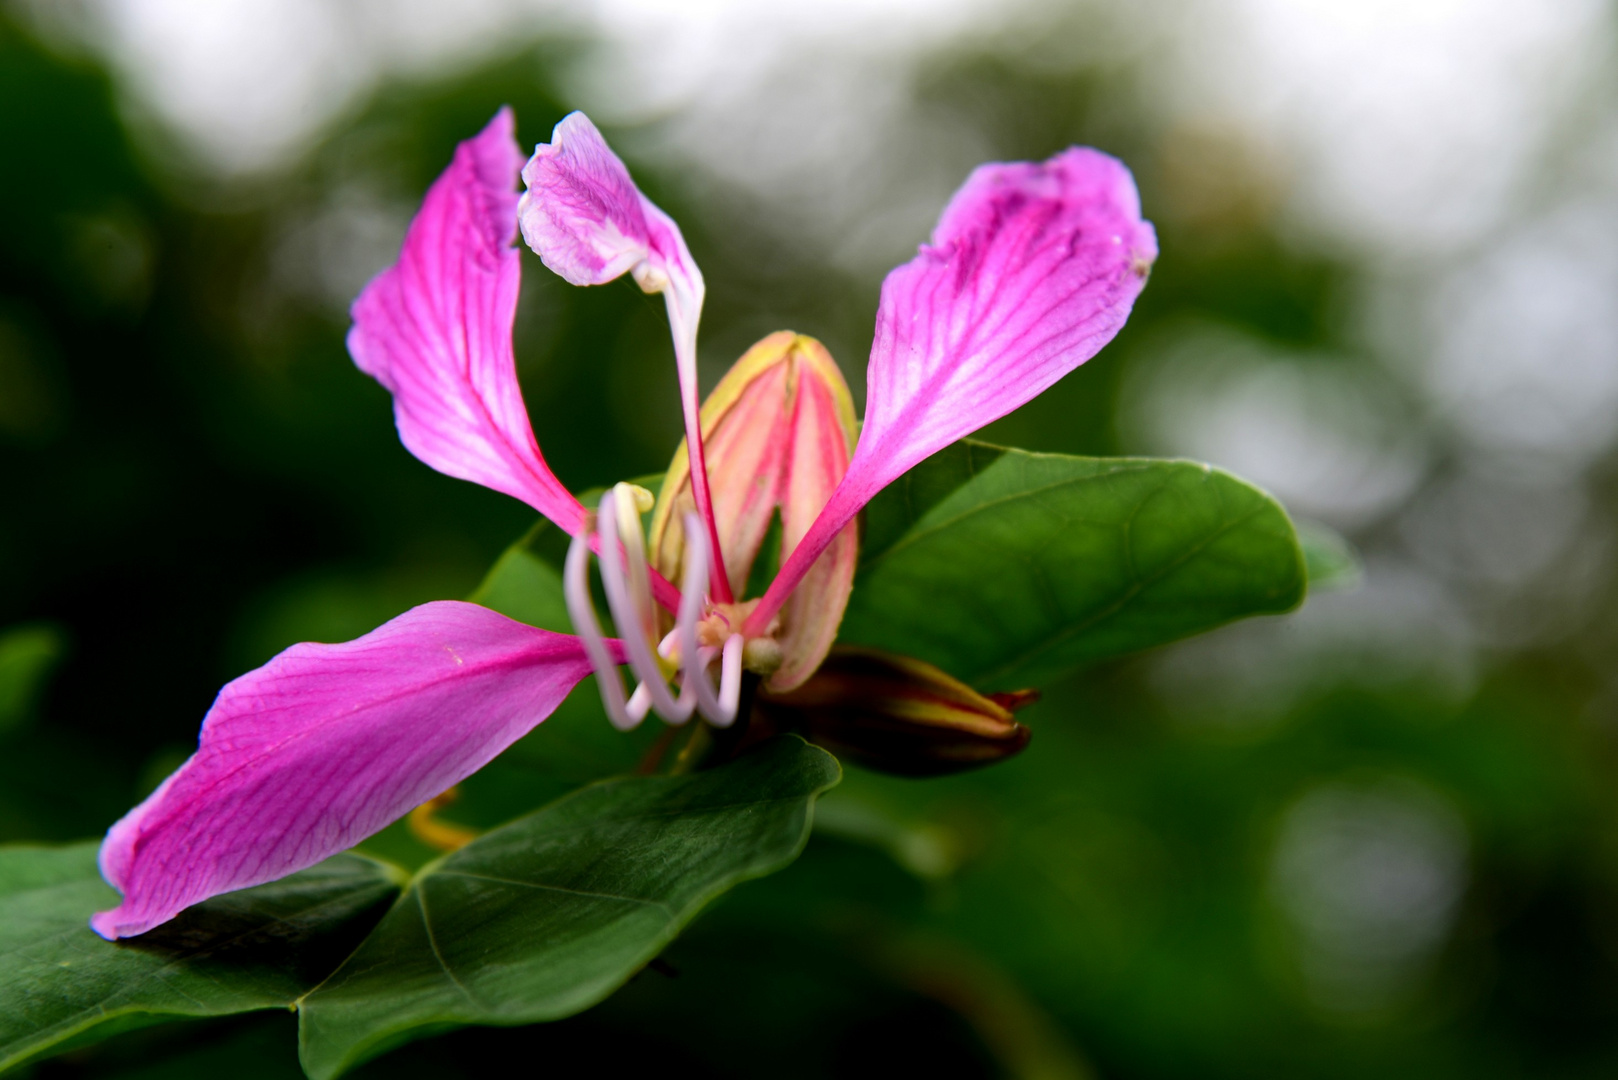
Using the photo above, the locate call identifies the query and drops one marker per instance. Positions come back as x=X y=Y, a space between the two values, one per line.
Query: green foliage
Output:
x=536 y=920
x=526 y=583
x=61 y=985
x=546 y=916
x=1006 y=568
x=28 y=656
x=1332 y=562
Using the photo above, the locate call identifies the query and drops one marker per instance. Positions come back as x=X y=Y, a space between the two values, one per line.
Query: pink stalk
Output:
x=685 y=349
x=719 y=583
x=839 y=512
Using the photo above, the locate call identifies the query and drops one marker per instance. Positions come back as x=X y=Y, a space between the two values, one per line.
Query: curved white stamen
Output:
x=640 y=703
x=634 y=618
x=693 y=658
x=719 y=709
x=576 y=591
x=730 y=677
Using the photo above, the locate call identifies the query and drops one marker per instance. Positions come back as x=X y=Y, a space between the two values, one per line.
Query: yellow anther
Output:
x=644 y=500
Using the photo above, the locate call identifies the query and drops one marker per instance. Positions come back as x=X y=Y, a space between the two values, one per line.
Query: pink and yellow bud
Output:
x=778 y=432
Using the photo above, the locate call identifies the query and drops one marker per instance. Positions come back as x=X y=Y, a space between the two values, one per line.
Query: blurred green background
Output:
x=1373 y=838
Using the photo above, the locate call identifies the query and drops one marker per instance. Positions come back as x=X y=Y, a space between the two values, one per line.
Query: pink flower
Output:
x=1032 y=269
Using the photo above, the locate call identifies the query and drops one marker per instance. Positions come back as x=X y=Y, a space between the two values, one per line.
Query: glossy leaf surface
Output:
x=1008 y=568
x=260 y=948
x=549 y=914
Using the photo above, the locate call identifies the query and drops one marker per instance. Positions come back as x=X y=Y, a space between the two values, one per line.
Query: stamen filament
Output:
x=663 y=591
x=634 y=618
x=640 y=703
x=576 y=591
x=730 y=677
x=719 y=710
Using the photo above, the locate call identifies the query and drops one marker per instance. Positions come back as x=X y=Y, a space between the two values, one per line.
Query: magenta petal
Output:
x=1032 y=269
x=586 y=219
x=582 y=213
x=435 y=329
x=326 y=744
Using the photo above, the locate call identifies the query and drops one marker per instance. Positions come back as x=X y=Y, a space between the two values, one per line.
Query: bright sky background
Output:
x=1402 y=122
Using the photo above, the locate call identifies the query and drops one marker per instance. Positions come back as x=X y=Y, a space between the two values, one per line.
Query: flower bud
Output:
x=777 y=432
x=896 y=714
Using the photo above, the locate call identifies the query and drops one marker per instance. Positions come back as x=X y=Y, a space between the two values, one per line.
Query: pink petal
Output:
x=326 y=744
x=435 y=329
x=1032 y=269
x=589 y=223
x=582 y=213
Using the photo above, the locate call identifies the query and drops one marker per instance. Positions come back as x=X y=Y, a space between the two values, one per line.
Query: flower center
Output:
x=761 y=653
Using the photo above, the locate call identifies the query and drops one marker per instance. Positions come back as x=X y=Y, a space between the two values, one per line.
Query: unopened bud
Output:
x=778 y=432
x=896 y=714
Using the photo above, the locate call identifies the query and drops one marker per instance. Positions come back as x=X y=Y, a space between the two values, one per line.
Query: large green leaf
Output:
x=549 y=914
x=261 y=948
x=1005 y=567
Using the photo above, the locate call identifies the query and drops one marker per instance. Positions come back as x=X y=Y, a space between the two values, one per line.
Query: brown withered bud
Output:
x=896 y=714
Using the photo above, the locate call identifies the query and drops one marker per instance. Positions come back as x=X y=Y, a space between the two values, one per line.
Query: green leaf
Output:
x=549 y=914
x=903 y=503
x=525 y=583
x=1009 y=568
x=260 y=948
x=1332 y=562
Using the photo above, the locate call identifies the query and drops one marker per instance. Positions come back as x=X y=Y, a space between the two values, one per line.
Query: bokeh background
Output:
x=1378 y=837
